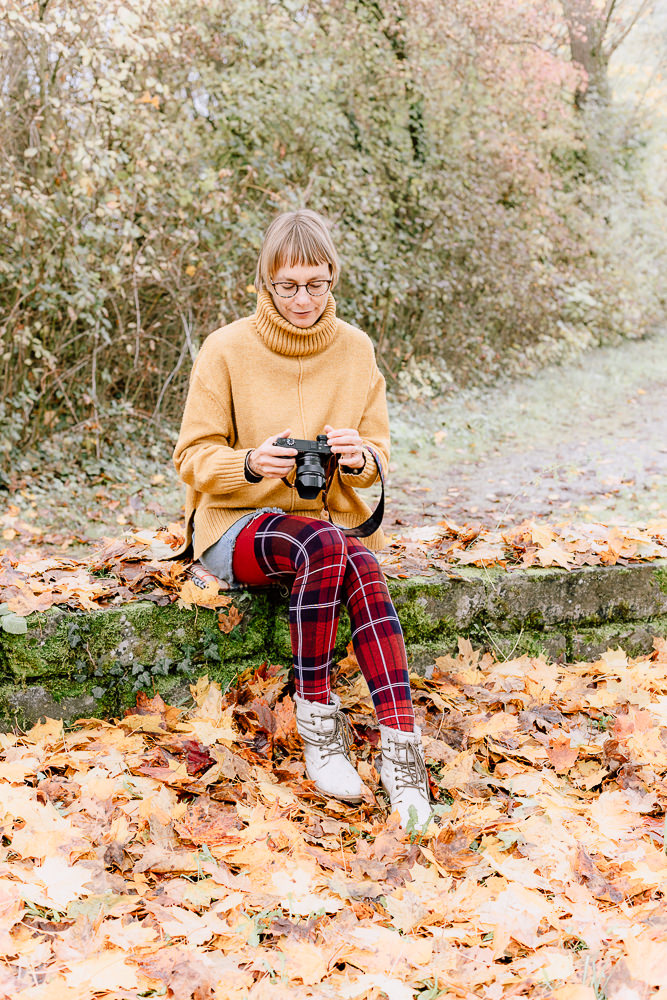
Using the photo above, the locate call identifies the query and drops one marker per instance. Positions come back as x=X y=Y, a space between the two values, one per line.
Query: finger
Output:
x=270 y=444
x=283 y=434
x=277 y=473
x=281 y=464
x=345 y=434
x=281 y=452
x=346 y=446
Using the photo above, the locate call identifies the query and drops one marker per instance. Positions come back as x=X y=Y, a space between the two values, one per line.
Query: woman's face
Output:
x=302 y=309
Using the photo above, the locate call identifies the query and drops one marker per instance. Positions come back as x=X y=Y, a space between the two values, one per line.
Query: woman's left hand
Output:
x=346 y=443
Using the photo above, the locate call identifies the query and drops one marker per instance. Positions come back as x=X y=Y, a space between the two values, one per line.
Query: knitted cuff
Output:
x=360 y=478
x=251 y=476
x=353 y=472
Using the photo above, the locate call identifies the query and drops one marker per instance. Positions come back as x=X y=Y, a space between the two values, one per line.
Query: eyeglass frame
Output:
x=313 y=295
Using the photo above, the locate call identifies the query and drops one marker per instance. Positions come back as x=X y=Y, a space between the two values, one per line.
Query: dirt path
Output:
x=584 y=441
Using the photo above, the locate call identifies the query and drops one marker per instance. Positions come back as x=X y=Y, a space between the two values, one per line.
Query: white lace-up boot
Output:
x=326 y=747
x=403 y=774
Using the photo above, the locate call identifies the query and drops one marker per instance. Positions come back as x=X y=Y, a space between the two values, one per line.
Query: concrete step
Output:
x=71 y=663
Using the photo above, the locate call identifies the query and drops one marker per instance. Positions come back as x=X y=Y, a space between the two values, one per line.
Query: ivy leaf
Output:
x=14 y=624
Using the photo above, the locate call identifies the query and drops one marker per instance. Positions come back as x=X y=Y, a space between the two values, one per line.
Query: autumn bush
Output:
x=145 y=146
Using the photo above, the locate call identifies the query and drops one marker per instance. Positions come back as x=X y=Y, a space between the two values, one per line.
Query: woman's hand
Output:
x=347 y=444
x=271 y=462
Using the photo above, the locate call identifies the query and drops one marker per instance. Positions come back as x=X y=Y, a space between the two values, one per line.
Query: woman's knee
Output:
x=325 y=542
x=364 y=561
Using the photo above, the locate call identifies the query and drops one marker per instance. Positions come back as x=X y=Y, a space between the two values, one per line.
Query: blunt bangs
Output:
x=293 y=239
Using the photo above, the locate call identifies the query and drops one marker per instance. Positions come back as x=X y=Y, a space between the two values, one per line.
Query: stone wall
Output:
x=72 y=664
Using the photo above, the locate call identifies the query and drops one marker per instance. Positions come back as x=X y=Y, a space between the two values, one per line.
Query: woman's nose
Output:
x=302 y=298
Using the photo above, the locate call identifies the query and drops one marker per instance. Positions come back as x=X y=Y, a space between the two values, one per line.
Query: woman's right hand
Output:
x=271 y=462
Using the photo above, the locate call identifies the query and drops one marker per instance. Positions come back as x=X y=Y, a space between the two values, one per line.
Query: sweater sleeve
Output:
x=374 y=431
x=204 y=456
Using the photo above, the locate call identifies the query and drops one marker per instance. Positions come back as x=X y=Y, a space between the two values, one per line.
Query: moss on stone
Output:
x=417 y=624
x=634 y=637
x=93 y=663
x=505 y=645
x=109 y=655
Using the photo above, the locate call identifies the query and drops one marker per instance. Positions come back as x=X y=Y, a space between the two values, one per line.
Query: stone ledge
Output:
x=74 y=663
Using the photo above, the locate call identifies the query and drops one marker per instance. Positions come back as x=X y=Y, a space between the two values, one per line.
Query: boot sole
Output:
x=353 y=800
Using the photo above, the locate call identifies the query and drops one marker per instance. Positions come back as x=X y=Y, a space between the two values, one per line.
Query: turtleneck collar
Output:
x=283 y=337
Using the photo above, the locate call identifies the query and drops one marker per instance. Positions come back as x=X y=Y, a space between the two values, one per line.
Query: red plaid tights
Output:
x=323 y=568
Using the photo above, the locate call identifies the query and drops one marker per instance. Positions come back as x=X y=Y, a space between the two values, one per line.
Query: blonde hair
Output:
x=294 y=238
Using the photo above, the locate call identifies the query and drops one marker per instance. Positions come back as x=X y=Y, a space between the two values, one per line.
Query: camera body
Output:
x=311 y=462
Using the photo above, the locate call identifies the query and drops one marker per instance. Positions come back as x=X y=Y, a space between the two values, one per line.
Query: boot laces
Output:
x=338 y=741
x=410 y=768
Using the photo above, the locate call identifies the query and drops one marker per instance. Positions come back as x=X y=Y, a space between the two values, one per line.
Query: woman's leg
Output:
x=324 y=567
x=311 y=557
x=377 y=638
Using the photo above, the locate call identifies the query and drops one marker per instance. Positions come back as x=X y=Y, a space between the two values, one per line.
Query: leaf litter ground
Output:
x=183 y=852
x=133 y=568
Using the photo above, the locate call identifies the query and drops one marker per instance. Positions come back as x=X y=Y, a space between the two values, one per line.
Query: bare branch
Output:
x=187 y=346
x=606 y=17
x=623 y=34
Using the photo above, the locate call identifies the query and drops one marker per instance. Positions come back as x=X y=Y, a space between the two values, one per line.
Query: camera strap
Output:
x=372 y=523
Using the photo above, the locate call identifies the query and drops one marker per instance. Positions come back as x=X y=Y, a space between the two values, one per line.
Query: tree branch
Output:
x=628 y=28
x=606 y=17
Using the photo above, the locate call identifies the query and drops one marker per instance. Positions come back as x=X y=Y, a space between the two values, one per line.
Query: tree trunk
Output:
x=586 y=28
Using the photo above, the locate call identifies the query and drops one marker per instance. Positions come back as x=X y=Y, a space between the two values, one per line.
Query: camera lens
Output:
x=310 y=478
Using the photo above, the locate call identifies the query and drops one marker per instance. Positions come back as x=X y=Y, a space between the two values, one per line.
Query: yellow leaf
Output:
x=542 y=535
x=134 y=934
x=142 y=724
x=575 y=992
x=204 y=597
x=48 y=732
x=104 y=972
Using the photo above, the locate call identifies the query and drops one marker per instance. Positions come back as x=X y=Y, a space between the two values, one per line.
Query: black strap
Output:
x=372 y=523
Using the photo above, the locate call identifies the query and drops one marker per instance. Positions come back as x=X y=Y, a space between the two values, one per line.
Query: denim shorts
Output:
x=217 y=558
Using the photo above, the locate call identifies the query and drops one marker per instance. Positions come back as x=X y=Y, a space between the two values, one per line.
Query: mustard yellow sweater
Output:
x=257 y=376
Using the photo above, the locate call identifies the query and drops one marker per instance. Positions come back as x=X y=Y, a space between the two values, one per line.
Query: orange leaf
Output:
x=226 y=622
x=561 y=753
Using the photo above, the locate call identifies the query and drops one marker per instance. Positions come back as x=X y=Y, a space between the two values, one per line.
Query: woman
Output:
x=293 y=369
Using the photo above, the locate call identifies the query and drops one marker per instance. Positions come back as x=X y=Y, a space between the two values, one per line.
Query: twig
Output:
x=187 y=345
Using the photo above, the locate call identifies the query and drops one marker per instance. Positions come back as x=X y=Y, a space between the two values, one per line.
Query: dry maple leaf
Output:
x=561 y=753
x=451 y=849
x=203 y=597
x=599 y=886
x=209 y=822
x=228 y=621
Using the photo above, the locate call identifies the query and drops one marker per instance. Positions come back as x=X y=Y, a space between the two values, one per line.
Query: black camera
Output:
x=311 y=463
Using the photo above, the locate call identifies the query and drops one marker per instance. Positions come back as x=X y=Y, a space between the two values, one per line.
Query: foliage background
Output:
x=488 y=220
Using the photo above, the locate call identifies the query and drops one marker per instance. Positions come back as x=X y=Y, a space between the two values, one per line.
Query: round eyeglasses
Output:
x=288 y=289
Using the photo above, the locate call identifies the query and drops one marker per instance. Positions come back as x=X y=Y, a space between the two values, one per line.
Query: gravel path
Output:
x=583 y=441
